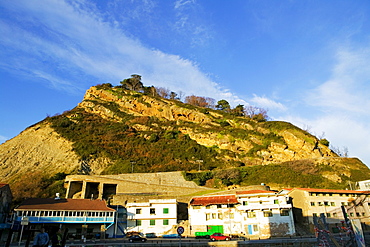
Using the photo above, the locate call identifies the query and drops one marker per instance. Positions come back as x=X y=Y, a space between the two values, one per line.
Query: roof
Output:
x=211 y=200
x=332 y=191
x=247 y=192
x=3 y=185
x=63 y=204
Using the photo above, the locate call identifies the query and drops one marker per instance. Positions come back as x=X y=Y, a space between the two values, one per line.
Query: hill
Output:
x=115 y=130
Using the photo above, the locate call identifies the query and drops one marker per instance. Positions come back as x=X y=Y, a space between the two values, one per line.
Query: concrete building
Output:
x=5 y=202
x=265 y=214
x=117 y=188
x=252 y=213
x=364 y=185
x=81 y=216
x=155 y=216
x=308 y=203
x=214 y=212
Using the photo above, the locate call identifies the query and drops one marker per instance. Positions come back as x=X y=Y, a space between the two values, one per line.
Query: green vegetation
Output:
x=38 y=185
x=289 y=174
x=152 y=151
x=161 y=146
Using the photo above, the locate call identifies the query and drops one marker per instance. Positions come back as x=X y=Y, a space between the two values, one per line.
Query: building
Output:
x=214 y=212
x=5 y=202
x=265 y=214
x=308 y=203
x=154 y=216
x=252 y=213
x=364 y=185
x=81 y=216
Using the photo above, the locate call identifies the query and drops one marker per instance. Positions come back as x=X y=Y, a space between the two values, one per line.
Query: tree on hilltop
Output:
x=134 y=83
x=223 y=105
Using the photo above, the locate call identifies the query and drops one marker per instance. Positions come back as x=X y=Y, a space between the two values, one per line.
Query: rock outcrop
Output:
x=40 y=148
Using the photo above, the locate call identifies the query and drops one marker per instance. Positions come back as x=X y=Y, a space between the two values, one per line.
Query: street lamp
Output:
x=228 y=206
x=199 y=161
x=132 y=166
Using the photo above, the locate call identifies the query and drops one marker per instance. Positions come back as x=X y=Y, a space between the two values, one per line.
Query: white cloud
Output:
x=349 y=86
x=69 y=45
x=340 y=106
x=268 y=104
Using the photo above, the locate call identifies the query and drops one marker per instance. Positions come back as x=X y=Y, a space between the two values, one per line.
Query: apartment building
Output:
x=308 y=203
x=265 y=214
x=253 y=213
x=154 y=216
x=83 y=217
x=216 y=212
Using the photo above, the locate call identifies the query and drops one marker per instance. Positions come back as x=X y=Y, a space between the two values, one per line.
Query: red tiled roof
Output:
x=208 y=200
x=2 y=185
x=331 y=191
x=255 y=192
x=64 y=204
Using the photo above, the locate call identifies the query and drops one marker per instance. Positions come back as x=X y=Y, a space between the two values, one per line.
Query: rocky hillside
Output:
x=115 y=131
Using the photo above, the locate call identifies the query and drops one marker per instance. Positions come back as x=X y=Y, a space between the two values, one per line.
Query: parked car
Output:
x=175 y=235
x=150 y=235
x=136 y=238
x=219 y=236
x=129 y=234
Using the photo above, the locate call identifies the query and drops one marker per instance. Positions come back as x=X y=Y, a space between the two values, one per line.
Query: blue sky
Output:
x=306 y=62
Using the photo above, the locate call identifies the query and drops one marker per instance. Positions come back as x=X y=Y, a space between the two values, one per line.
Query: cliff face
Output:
x=118 y=131
x=38 y=148
x=298 y=144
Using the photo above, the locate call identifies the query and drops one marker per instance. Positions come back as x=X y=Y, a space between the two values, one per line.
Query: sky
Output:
x=305 y=62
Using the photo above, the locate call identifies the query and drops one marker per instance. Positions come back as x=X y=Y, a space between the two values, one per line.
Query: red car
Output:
x=219 y=236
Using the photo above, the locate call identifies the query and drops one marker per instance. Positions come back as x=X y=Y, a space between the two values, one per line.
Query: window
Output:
x=138 y=211
x=358 y=214
x=332 y=204
x=284 y=212
x=196 y=207
x=335 y=214
x=213 y=216
x=314 y=214
x=152 y=211
x=343 y=203
x=219 y=205
x=165 y=222
x=245 y=203
x=208 y=216
x=267 y=214
x=220 y=216
x=165 y=210
x=255 y=228
x=276 y=201
x=320 y=204
x=152 y=222
x=138 y=222
x=312 y=203
x=208 y=206
x=328 y=215
x=326 y=203
x=351 y=214
x=251 y=214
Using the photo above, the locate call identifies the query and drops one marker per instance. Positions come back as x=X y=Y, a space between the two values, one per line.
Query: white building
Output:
x=364 y=185
x=309 y=202
x=155 y=216
x=209 y=214
x=254 y=214
x=265 y=214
